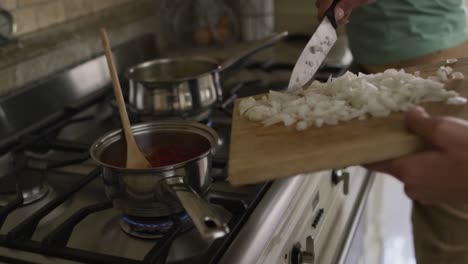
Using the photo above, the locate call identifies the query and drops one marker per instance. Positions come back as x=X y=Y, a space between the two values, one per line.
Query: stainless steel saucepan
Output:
x=165 y=190
x=183 y=86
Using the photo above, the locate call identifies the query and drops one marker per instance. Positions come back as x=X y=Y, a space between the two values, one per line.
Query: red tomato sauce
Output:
x=161 y=149
x=172 y=154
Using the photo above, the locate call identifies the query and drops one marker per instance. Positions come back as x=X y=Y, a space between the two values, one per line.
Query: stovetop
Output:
x=53 y=205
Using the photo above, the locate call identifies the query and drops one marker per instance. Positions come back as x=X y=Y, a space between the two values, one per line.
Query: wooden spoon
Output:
x=135 y=158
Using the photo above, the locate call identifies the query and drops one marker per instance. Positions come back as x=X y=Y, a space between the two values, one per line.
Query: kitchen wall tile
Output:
x=8 y=4
x=102 y=4
x=8 y=79
x=31 y=15
x=67 y=54
x=49 y=63
x=53 y=55
x=25 y=3
x=50 y=13
x=26 y=20
x=77 y=8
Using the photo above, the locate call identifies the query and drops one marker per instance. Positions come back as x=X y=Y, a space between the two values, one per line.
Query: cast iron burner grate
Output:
x=155 y=227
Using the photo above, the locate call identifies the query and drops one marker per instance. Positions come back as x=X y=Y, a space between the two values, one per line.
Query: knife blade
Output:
x=315 y=51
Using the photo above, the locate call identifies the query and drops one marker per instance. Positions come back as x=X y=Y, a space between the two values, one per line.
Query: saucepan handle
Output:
x=265 y=43
x=207 y=221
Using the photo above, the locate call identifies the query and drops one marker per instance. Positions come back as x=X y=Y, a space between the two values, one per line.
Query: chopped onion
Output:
x=441 y=74
x=246 y=104
x=349 y=97
x=458 y=76
x=271 y=121
x=302 y=125
x=451 y=61
x=318 y=122
x=288 y=119
x=457 y=100
x=448 y=70
x=258 y=113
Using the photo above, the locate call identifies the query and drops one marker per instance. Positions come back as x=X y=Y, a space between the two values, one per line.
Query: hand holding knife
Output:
x=342 y=10
x=322 y=41
x=316 y=50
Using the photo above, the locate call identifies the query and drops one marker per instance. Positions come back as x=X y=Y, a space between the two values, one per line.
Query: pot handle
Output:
x=267 y=42
x=207 y=222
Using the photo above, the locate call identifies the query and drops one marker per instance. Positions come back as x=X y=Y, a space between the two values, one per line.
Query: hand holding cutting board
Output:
x=261 y=153
x=439 y=173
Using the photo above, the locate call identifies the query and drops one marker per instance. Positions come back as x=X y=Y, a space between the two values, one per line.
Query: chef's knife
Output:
x=316 y=50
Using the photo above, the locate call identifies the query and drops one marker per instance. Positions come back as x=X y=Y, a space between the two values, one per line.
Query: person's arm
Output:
x=440 y=173
x=342 y=10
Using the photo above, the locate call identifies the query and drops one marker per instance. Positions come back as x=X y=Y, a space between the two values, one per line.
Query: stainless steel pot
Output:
x=166 y=190
x=184 y=86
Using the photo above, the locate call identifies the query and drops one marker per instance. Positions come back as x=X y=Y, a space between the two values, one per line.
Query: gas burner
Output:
x=29 y=182
x=35 y=193
x=153 y=228
x=30 y=195
x=38 y=153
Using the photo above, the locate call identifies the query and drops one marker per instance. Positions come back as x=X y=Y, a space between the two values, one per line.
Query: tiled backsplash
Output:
x=41 y=53
x=32 y=15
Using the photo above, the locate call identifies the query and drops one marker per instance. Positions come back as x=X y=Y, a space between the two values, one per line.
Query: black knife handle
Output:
x=330 y=13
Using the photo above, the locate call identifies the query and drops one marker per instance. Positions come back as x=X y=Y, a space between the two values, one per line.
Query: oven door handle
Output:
x=358 y=214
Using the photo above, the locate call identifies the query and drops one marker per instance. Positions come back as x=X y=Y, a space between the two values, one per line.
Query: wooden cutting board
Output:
x=259 y=153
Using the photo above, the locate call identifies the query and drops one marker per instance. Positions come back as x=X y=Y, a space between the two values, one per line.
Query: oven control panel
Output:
x=303 y=256
x=325 y=206
x=304 y=229
x=300 y=219
x=310 y=240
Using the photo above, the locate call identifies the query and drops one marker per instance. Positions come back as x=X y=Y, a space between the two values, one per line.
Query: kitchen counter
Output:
x=37 y=55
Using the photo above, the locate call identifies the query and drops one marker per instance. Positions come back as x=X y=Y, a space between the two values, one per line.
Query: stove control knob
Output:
x=308 y=258
x=298 y=256
x=341 y=176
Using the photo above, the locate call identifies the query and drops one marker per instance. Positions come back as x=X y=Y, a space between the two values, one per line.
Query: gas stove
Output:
x=53 y=208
